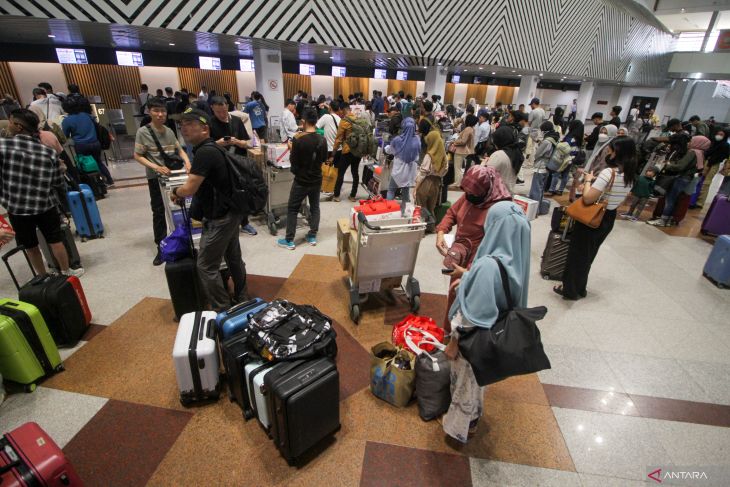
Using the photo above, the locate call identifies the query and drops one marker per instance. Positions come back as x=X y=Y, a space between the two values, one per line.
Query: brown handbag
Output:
x=591 y=215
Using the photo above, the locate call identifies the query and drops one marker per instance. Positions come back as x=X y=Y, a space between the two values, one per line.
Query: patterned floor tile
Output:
x=353 y=364
x=124 y=443
x=263 y=287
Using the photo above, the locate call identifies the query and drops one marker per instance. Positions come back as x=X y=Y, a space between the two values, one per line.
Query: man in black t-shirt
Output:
x=210 y=185
x=230 y=133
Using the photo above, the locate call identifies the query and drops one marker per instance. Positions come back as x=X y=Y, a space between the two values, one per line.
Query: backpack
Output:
x=360 y=140
x=249 y=191
x=103 y=135
x=561 y=157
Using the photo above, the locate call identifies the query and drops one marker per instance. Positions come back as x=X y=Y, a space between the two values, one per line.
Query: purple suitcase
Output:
x=717 y=220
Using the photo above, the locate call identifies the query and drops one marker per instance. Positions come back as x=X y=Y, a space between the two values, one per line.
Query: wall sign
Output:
x=273 y=85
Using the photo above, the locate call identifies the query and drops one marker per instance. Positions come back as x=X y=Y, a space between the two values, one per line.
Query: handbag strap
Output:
x=609 y=187
x=505 y=283
x=163 y=154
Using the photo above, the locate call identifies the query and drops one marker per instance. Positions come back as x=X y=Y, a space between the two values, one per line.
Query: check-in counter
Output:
x=130 y=112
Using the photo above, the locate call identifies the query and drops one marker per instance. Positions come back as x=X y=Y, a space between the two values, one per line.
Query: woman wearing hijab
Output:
x=542 y=156
x=406 y=149
x=718 y=152
x=574 y=138
x=479 y=300
x=483 y=187
x=685 y=170
x=431 y=171
x=508 y=158
x=597 y=162
x=463 y=146
x=558 y=120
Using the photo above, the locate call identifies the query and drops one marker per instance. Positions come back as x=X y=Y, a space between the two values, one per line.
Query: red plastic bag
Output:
x=418 y=329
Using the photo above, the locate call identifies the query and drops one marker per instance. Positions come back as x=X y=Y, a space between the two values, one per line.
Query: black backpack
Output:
x=103 y=135
x=249 y=191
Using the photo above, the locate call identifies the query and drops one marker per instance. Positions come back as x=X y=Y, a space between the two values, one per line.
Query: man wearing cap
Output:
x=210 y=185
x=537 y=115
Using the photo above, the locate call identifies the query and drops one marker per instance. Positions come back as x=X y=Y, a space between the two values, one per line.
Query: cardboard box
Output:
x=343 y=242
x=528 y=206
x=278 y=155
x=259 y=156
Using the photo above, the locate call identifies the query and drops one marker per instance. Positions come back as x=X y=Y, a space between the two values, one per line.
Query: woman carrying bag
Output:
x=480 y=298
x=406 y=149
x=431 y=172
x=602 y=194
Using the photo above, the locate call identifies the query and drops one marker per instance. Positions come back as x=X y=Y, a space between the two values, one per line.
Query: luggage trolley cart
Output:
x=173 y=213
x=386 y=250
x=279 y=180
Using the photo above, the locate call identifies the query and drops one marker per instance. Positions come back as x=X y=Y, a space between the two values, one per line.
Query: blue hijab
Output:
x=480 y=296
x=407 y=146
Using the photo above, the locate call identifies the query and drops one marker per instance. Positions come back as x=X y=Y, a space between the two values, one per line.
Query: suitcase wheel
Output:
x=355 y=313
x=29 y=388
x=247 y=415
x=60 y=368
x=546 y=277
x=415 y=303
x=185 y=402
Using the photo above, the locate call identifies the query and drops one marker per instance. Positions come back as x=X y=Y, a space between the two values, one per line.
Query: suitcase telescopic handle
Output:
x=11 y=253
x=243 y=305
x=210 y=331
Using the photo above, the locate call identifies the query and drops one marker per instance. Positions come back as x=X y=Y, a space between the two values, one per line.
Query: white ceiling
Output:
x=687 y=21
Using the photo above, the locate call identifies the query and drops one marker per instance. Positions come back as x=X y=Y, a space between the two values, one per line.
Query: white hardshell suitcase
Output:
x=196 y=357
x=255 y=372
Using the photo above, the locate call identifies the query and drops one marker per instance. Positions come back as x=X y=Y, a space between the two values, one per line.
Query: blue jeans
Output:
x=671 y=198
x=538 y=186
x=559 y=177
x=404 y=196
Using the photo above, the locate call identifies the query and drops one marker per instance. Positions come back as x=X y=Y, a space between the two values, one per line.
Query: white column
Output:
x=528 y=88
x=435 y=81
x=269 y=80
x=585 y=95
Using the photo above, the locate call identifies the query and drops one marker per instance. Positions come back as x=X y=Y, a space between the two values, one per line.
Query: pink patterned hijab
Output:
x=699 y=144
x=485 y=180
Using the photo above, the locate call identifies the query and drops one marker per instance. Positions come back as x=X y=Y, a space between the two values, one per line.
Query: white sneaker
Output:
x=74 y=272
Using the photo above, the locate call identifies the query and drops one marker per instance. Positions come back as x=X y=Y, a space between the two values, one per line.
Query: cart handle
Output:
x=364 y=221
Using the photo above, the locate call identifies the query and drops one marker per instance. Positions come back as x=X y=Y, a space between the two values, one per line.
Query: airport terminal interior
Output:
x=636 y=391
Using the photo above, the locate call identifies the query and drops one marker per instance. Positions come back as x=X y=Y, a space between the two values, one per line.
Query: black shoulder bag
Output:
x=511 y=347
x=173 y=162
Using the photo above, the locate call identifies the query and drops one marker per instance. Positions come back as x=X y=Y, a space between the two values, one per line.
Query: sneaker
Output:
x=74 y=272
x=328 y=196
x=520 y=181
x=249 y=229
x=158 y=260
x=625 y=215
x=657 y=222
x=336 y=199
x=312 y=240
x=286 y=244
x=352 y=198
x=633 y=218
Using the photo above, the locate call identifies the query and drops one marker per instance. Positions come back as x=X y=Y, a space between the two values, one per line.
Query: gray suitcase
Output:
x=74 y=259
x=555 y=256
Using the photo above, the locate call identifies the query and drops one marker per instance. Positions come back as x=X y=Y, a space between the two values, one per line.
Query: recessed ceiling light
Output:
x=332 y=57
x=481 y=68
x=236 y=43
x=390 y=58
x=440 y=64
x=172 y=43
x=51 y=36
x=466 y=70
x=540 y=74
x=493 y=72
x=326 y=52
x=425 y=67
x=519 y=75
x=513 y=70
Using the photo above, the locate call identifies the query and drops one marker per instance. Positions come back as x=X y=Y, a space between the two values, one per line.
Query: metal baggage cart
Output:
x=173 y=213
x=279 y=181
x=384 y=251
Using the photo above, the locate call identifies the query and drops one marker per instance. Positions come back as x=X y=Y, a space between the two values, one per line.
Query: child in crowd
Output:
x=640 y=194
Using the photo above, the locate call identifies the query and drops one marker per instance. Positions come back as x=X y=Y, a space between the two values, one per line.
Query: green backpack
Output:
x=86 y=163
x=360 y=139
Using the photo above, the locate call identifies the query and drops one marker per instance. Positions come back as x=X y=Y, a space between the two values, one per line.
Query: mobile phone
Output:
x=446 y=270
x=227 y=138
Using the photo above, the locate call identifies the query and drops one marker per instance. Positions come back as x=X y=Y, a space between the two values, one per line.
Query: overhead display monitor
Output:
x=247 y=65
x=128 y=58
x=401 y=75
x=339 y=71
x=381 y=74
x=479 y=79
x=71 y=56
x=455 y=78
x=306 y=69
x=209 y=62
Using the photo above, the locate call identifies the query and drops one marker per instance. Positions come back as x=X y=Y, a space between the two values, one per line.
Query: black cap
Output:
x=195 y=114
x=535 y=101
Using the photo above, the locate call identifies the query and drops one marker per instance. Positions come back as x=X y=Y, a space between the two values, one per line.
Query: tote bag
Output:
x=329 y=177
x=591 y=215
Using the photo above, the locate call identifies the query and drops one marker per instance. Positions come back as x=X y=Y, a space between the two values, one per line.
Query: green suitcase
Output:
x=441 y=210
x=27 y=350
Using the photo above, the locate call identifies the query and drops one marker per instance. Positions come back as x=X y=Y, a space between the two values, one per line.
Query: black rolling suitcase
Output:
x=74 y=259
x=96 y=182
x=304 y=406
x=235 y=354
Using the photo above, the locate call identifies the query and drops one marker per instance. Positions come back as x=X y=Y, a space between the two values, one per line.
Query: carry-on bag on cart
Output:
x=236 y=318
x=304 y=406
x=186 y=290
x=717 y=267
x=69 y=242
x=60 y=299
x=555 y=256
x=85 y=213
x=717 y=220
x=29 y=457
x=27 y=350
x=196 y=358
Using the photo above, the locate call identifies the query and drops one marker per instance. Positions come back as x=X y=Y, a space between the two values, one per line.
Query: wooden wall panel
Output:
x=7 y=82
x=108 y=81
x=349 y=86
x=396 y=85
x=478 y=92
x=223 y=81
x=449 y=93
x=295 y=82
x=505 y=94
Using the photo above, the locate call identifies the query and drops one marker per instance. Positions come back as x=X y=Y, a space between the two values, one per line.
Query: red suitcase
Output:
x=28 y=456
x=76 y=285
x=717 y=220
x=680 y=207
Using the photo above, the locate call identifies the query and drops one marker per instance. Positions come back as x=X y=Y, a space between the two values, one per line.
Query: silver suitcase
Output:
x=196 y=357
x=255 y=372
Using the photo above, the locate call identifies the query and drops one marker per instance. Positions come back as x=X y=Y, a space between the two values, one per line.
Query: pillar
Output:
x=528 y=88
x=435 y=81
x=269 y=81
x=585 y=95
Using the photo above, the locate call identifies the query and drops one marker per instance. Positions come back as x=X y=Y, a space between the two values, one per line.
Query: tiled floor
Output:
x=639 y=372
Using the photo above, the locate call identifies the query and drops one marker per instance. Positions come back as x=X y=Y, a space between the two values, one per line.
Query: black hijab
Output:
x=548 y=130
x=505 y=138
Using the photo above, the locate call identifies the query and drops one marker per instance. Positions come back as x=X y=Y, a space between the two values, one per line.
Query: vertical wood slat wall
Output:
x=106 y=80
x=223 y=81
x=396 y=85
x=295 y=82
x=449 y=93
x=478 y=92
x=348 y=86
x=7 y=82
x=505 y=94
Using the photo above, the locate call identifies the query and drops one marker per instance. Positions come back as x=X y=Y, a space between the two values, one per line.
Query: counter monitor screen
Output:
x=381 y=74
x=210 y=63
x=339 y=71
x=306 y=69
x=455 y=78
x=71 y=56
x=127 y=58
x=401 y=75
x=478 y=80
x=247 y=65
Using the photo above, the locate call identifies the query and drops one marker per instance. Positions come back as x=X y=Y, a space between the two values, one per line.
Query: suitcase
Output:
x=74 y=259
x=717 y=220
x=440 y=211
x=85 y=213
x=95 y=182
x=27 y=350
x=196 y=358
x=544 y=207
x=555 y=256
x=680 y=207
x=60 y=299
x=259 y=399
x=28 y=456
x=235 y=354
x=304 y=406
x=236 y=318
x=717 y=267
x=186 y=290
